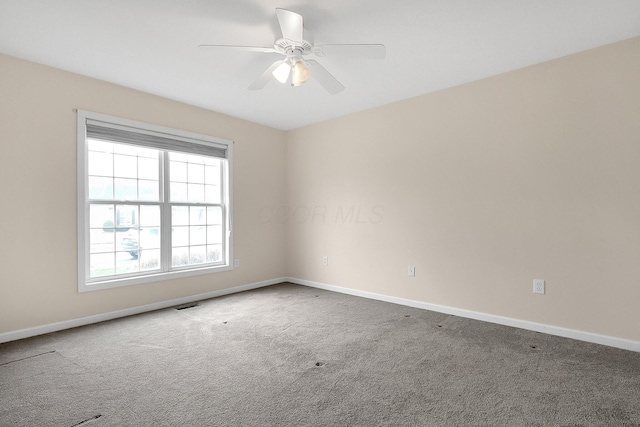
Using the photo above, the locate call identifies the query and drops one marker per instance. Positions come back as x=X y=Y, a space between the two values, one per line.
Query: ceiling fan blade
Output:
x=325 y=78
x=364 y=51
x=239 y=48
x=290 y=24
x=265 y=77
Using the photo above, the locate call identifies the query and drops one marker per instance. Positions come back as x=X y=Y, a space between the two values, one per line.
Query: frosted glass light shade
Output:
x=300 y=74
x=281 y=73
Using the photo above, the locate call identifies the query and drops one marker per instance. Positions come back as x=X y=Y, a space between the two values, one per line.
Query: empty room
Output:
x=363 y=213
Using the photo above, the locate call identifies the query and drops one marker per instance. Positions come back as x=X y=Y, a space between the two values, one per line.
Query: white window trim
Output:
x=83 y=206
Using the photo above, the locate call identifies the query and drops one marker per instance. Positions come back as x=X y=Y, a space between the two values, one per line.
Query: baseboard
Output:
x=73 y=323
x=507 y=321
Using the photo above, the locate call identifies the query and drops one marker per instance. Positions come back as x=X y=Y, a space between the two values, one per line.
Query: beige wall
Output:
x=483 y=187
x=38 y=254
x=533 y=174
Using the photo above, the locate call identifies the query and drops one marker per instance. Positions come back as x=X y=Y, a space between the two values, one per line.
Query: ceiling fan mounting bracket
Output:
x=283 y=45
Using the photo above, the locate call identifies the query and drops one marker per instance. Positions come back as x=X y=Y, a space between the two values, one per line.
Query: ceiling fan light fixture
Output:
x=300 y=74
x=295 y=70
x=281 y=73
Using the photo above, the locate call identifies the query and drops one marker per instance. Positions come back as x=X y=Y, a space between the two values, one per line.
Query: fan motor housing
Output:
x=285 y=45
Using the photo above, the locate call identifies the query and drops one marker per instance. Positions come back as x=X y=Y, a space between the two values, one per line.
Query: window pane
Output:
x=126 y=216
x=198 y=255
x=177 y=171
x=127 y=262
x=196 y=173
x=194 y=158
x=125 y=166
x=178 y=192
x=125 y=189
x=149 y=216
x=180 y=257
x=149 y=238
x=214 y=253
x=100 y=188
x=148 y=168
x=212 y=175
x=148 y=191
x=212 y=194
x=196 y=193
x=180 y=215
x=101 y=265
x=100 y=163
x=149 y=259
x=179 y=157
x=131 y=150
x=197 y=215
x=212 y=181
x=180 y=236
x=214 y=234
x=101 y=241
x=102 y=216
x=214 y=215
x=148 y=152
x=99 y=145
x=197 y=235
x=129 y=244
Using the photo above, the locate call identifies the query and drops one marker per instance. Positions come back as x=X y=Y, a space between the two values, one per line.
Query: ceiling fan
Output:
x=295 y=69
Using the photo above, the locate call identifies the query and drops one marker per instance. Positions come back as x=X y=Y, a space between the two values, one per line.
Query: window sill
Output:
x=150 y=278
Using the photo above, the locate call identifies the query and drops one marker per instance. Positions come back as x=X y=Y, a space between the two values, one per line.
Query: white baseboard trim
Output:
x=506 y=321
x=73 y=323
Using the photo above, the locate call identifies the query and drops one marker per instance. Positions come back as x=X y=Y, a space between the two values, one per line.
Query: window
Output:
x=153 y=203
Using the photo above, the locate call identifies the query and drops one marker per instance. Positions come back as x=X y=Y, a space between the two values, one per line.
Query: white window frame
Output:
x=86 y=284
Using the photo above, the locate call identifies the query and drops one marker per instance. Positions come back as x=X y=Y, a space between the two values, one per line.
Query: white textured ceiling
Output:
x=152 y=45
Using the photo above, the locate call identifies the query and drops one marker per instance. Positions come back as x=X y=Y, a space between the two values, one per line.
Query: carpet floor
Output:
x=289 y=355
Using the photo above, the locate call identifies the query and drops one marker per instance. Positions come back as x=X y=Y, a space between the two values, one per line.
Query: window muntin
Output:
x=149 y=213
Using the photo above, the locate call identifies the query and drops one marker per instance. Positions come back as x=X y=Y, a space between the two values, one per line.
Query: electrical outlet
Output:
x=412 y=271
x=236 y=263
x=538 y=286
x=325 y=260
